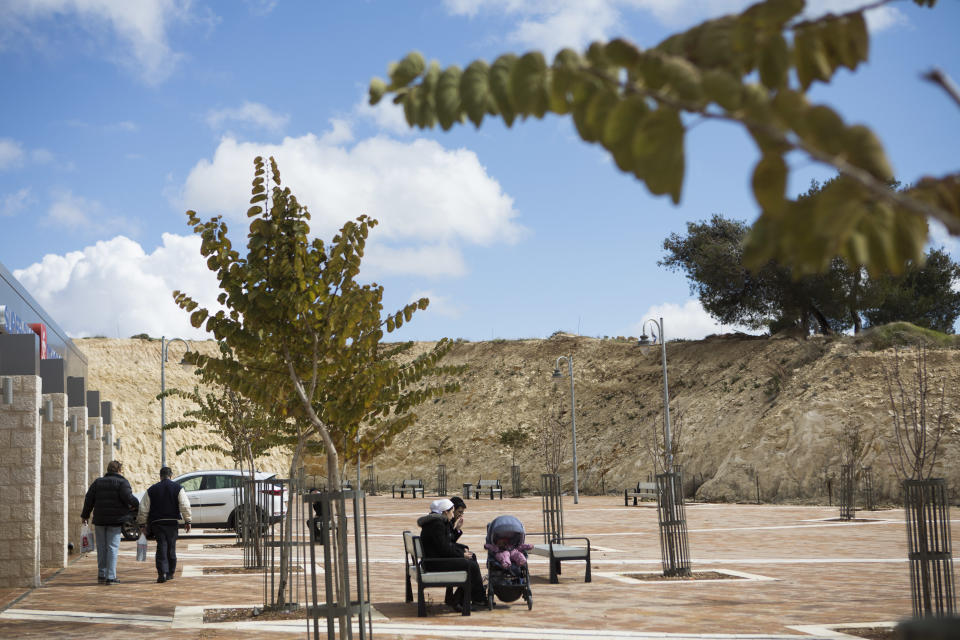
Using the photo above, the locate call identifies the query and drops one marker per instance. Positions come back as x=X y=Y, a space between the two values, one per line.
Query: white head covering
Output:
x=441 y=505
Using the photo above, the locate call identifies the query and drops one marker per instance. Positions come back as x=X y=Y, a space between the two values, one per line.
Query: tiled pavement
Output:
x=821 y=573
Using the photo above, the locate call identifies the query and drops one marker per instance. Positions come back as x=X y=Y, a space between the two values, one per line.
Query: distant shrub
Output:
x=141 y=336
x=904 y=334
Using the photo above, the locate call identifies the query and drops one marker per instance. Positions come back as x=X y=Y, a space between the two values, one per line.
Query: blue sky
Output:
x=118 y=116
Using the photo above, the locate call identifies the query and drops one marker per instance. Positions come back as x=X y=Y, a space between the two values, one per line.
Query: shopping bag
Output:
x=86 y=539
x=142 y=548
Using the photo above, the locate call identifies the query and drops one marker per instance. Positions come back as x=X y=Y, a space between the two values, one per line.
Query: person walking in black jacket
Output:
x=111 y=500
x=163 y=506
x=441 y=553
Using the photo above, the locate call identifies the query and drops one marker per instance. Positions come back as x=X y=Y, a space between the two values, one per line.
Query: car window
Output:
x=221 y=482
x=190 y=484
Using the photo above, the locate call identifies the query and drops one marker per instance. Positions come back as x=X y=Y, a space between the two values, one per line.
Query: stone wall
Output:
x=78 y=480
x=95 y=463
x=53 y=485
x=20 y=485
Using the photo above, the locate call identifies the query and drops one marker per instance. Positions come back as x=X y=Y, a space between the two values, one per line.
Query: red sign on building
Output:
x=41 y=330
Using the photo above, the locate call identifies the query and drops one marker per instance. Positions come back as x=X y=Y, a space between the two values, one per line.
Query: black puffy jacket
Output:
x=435 y=537
x=110 y=498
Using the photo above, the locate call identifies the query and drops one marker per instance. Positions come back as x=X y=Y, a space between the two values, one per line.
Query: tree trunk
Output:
x=288 y=528
x=821 y=320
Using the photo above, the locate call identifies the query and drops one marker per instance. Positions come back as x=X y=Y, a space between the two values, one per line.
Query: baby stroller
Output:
x=507 y=583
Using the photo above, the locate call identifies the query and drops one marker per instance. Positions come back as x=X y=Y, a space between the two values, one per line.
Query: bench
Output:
x=643 y=490
x=408 y=486
x=413 y=557
x=556 y=550
x=482 y=486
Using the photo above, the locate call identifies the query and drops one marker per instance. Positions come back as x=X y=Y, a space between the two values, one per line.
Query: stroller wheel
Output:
x=529 y=601
x=490 y=600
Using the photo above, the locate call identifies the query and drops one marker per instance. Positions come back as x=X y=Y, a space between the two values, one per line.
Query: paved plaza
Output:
x=794 y=572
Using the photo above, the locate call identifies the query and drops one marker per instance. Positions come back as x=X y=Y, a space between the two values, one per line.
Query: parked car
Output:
x=214 y=495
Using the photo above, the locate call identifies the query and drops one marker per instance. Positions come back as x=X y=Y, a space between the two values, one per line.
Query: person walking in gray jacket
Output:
x=163 y=506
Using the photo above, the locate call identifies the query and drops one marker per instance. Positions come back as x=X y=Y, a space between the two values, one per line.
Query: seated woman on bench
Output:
x=441 y=553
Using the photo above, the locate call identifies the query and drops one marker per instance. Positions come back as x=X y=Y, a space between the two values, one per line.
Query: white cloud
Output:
x=439 y=305
x=553 y=24
x=430 y=201
x=141 y=28
x=11 y=152
x=115 y=286
x=380 y=258
x=249 y=113
x=124 y=125
x=940 y=237
x=42 y=156
x=387 y=116
x=13 y=203
x=71 y=211
x=688 y=321
x=261 y=7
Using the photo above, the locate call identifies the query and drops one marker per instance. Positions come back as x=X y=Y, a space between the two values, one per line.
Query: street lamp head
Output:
x=644 y=340
x=556 y=373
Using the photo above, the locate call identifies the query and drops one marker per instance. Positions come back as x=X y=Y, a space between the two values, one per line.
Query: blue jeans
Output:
x=108 y=546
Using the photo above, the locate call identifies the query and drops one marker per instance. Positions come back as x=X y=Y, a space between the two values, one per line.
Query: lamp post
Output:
x=573 y=422
x=656 y=329
x=674 y=550
x=164 y=346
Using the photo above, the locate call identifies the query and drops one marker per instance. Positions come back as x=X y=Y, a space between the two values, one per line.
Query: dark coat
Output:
x=111 y=499
x=436 y=539
x=164 y=501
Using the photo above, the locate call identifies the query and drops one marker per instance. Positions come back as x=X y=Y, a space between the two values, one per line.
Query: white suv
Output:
x=213 y=496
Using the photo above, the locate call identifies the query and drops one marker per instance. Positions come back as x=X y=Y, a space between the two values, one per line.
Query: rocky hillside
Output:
x=753 y=413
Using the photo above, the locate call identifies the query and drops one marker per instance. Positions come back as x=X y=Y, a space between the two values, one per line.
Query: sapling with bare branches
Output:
x=653 y=440
x=919 y=413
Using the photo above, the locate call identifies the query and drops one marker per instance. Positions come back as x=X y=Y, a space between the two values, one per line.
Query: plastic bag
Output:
x=142 y=548
x=86 y=539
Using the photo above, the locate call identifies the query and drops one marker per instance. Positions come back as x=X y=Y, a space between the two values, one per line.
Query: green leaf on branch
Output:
x=407 y=70
x=770 y=182
x=377 y=88
x=475 y=91
x=448 y=98
x=774 y=62
x=528 y=80
x=658 y=152
x=500 y=87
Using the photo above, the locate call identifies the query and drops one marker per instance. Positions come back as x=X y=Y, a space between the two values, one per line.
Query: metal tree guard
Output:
x=848 y=506
x=441 y=480
x=869 y=498
x=515 y=481
x=370 y=484
x=928 y=544
x=290 y=536
x=250 y=521
x=671 y=516
x=552 y=506
x=343 y=598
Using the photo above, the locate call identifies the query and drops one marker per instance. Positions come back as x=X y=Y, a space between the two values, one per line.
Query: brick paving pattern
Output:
x=822 y=573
